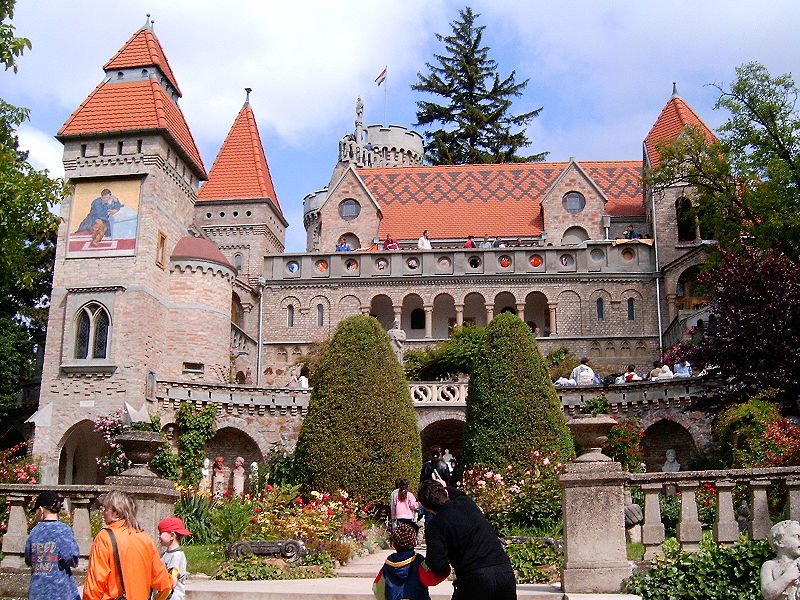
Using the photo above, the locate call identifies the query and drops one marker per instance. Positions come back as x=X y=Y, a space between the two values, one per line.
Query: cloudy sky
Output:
x=601 y=69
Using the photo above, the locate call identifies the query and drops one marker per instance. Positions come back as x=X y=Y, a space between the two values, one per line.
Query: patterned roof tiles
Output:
x=143 y=50
x=675 y=116
x=240 y=170
x=133 y=106
x=497 y=200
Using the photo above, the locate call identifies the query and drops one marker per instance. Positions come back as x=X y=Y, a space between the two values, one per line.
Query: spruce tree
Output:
x=360 y=433
x=475 y=122
x=512 y=406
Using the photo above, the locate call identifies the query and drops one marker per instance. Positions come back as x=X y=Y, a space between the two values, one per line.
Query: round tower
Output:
x=199 y=322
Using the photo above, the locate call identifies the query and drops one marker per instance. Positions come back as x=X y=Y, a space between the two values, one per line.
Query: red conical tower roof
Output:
x=674 y=118
x=143 y=50
x=240 y=170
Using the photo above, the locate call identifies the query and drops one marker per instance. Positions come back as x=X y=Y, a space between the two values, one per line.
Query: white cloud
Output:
x=44 y=152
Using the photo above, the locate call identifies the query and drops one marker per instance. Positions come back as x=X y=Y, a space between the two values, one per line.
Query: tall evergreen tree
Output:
x=475 y=123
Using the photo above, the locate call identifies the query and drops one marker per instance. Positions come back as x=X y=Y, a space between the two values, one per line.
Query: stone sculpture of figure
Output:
x=448 y=459
x=634 y=517
x=219 y=478
x=672 y=465
x=205 y=480
x=359 y=110
x=254 y=476
x=398 y=338
x=743 y=515
x=238 y=476
x=780 y=577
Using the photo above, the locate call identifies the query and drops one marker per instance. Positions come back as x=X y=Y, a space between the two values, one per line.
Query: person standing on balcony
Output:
x=390 y=243
x=51 y=552
x=424 y=242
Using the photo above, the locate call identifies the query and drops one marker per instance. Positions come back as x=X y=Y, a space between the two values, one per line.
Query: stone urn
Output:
x=139 y=448
x=591 y=432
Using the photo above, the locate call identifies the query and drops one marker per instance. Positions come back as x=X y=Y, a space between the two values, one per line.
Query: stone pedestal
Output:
x=595 y=559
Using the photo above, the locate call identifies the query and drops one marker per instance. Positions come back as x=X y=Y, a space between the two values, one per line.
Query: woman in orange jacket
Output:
x=142 y=568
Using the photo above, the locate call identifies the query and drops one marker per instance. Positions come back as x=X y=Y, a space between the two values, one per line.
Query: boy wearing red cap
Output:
x=170 y=532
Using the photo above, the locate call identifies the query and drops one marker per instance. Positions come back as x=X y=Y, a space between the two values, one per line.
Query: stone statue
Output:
x=780 y=577
x=634 y=517
x=398 y=338
x=359 y=110
x=205 y=480
x=743 y=515
x=254 y=477
x=219 y=478
x=238 y=476
x=672 y=465
x=449 y=460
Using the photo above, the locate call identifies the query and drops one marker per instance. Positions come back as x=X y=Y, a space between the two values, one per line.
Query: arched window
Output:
x=320 y=315
x=600 y=309
x=290 y=315
x=631 y=309
x=417 y=319
x=237 y=262
x=684 y=213
x=92 y=331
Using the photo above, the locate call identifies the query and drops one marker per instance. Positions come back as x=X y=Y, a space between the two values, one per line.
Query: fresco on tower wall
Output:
x=104 y=218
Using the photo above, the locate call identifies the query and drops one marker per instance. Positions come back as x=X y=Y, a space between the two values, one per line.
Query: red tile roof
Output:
x=240 y=170
x=675 y=116
x=496 y=200
x=190 y=247
x=133 y=106
x=143 y=50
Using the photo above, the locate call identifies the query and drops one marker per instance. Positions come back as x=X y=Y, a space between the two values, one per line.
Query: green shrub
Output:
x=534 y=561
x=450 y=357
x=560 y=363
x=513 y=409
x=740 y=430
x=360 y=433
x=623 y=445
x=713 y=573
x=195 y=510
x=596 y=406
x=250 y=567
x=231 y=519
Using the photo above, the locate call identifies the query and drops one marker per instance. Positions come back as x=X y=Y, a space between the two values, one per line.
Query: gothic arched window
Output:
x=290 y=316
x=92 y=331
x=631 y=309
x=600 y=309
x=320 y=315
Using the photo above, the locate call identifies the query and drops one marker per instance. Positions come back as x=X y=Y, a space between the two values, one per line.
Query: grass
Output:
x=202 y=558
x=635 y=551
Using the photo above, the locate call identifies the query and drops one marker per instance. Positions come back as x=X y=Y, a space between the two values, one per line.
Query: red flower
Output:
x=298 y=500
x=253 y=520
x=256 y=509
x=268 y=487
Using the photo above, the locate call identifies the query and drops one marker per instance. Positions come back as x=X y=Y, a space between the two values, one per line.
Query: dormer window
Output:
x=145 y=73
x=349 y=209
x=120 y=75
x=573 y=202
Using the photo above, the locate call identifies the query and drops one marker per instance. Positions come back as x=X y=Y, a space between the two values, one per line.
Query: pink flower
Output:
x=546 y=461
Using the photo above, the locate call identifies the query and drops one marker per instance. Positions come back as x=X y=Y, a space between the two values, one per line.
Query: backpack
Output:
x=585 y=376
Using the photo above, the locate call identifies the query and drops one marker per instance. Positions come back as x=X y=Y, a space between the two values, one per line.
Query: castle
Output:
x=161 y=284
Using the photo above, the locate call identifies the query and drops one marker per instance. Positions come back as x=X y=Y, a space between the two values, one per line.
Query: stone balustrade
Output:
x=234 y=399
x=726 y=528
x=590 y=257
x=434 y=393
x=19 y=496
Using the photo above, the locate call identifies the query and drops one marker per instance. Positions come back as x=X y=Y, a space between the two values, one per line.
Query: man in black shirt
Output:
x=460 y=535
x=435 y=465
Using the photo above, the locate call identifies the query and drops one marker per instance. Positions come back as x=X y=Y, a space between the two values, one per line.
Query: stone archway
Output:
x=80 y=448
x=230 y=442
x=664 y=435
x=446 y=433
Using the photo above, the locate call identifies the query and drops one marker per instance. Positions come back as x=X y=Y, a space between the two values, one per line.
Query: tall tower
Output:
x=134 y=168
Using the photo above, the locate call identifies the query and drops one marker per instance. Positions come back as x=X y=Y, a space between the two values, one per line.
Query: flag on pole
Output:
x=381 y=77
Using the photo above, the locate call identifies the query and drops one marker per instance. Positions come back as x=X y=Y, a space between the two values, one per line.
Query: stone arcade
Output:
x=186 y=289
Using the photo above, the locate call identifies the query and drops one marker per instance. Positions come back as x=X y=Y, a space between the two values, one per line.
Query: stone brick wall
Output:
x=364 y=226
x=557 y=220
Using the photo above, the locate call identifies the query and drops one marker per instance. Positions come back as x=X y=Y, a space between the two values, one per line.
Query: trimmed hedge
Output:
x=360 y=433
x=512 y=408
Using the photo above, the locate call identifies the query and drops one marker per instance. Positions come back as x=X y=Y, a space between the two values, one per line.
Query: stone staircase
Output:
x=353 y=582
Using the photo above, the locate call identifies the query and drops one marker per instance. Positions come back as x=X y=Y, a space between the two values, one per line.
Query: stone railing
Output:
x=726 y=528
x=18 y=497
x=234 y=399
x=429 y=393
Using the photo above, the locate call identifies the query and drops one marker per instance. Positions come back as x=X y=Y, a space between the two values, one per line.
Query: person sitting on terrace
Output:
x=470 y=243
x=655 y=371
x=583 y=374
x=683 y=369
x=631 y=233
x=486 y=243
x=665 y=374
x=342 y=245
x=390 y=243
x=631 y=374
x=498 y=243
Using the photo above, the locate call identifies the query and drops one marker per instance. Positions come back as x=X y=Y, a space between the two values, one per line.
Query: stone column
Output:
x=428 y=308
x=761 y=523
x=459 y=315
x=689 y=531
x=489 y=313
x=81 y=526
x=398 y=314
x=652 y=528
x=672 y=309
x=16 y=534
x=593 y=504
x=726 y=529
x=521 y=310
x=551 y=306
x=793 y=487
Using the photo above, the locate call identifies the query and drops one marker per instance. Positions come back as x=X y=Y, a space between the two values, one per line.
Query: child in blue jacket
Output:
x=405 y=575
